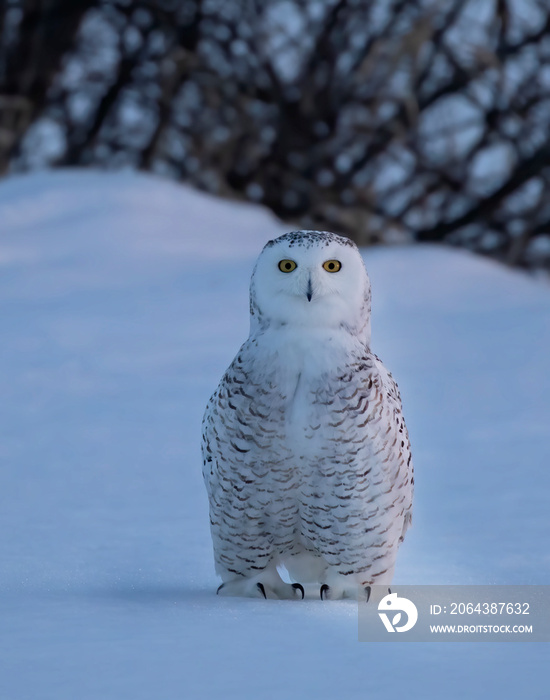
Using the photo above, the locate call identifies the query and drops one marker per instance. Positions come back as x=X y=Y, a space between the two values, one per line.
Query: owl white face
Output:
x=311 y=279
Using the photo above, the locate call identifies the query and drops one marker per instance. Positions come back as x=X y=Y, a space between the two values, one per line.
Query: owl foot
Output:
x=363 y=593
x=339 y=592
x=336 y=586
x=242 y=588
x=357 y=586
x=333 y=592
x=341 y=587
x=286 y=591
x=265 y=585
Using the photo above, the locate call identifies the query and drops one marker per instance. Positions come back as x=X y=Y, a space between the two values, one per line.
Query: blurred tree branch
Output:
x=388 y=120
x=30 y=62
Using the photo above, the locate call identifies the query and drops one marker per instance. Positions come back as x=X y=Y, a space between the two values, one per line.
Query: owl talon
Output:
x=368 y=591
x=324 y=591
x=299 y=587
x=260 y=587
x=219 y=588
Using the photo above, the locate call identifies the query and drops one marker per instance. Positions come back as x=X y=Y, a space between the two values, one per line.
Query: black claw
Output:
x=389 y=589
x=368 y=591
x=260 y=587
x=299 y=587
x=219 y=588
x=324 y=590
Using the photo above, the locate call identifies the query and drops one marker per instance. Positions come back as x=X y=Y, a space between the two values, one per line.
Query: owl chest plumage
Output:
x=306 y=432
x=295 y=399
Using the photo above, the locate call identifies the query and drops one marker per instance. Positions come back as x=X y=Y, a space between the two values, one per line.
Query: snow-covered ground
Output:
x=122 y=300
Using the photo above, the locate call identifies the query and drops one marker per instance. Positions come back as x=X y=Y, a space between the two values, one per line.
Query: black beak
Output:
x=309 y=292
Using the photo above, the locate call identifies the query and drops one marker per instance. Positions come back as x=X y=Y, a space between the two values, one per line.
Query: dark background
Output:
x=388 y=120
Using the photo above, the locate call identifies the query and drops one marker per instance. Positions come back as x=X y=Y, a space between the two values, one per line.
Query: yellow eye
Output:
x=332 y=265
x=287 y=265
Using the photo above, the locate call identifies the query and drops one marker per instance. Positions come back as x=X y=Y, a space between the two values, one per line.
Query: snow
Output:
x=123 y=298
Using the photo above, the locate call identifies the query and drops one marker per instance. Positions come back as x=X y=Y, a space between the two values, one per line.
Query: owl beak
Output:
x=309 y=292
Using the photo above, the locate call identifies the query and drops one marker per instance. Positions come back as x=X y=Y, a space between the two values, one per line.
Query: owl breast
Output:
x=308 y=447
x=314 y=380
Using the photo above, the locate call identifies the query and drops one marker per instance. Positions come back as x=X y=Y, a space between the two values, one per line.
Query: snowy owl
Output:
x=306 y=455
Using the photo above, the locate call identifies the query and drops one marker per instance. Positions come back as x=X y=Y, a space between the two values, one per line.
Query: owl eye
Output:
x=287 y=265
x=332 y=265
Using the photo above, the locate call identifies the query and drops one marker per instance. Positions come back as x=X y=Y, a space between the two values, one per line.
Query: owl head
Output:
x=311 y=279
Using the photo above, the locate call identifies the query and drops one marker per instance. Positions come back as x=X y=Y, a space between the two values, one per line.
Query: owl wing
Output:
x=397 y=442
x=239 y=420
x=246 y=464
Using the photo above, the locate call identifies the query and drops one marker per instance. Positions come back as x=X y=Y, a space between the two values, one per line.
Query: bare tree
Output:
x=384 y=120
x=36 y=35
